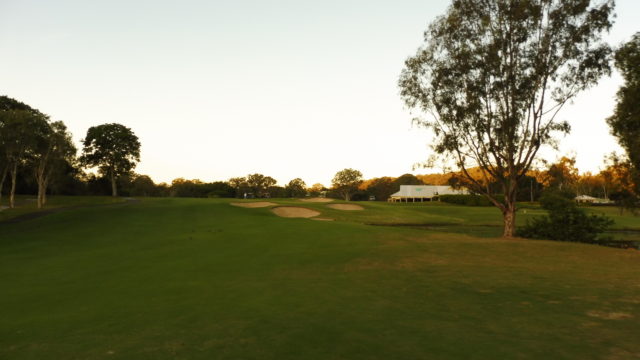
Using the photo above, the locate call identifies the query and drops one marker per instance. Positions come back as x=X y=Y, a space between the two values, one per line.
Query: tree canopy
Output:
x=492 y=76
x=625 y=121
x=113 y=148
x=346 y=182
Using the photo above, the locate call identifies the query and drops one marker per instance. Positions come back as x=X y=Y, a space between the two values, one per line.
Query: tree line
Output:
x=37 y=154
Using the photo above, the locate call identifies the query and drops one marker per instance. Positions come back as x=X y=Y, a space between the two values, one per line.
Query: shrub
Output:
x=468 y=200
x=565 y=222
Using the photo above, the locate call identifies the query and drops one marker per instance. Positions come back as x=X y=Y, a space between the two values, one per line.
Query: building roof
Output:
x=426 y=191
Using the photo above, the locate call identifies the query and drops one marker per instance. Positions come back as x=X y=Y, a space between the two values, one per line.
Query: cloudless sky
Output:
x=218 y=89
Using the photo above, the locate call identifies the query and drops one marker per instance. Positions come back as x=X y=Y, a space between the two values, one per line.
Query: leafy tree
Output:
x=296 y=188
x=259 y=184
x=625 y=121
x=239 y=184
x=408 y=179
x=113 y=148
x=142 y=185
x=53 y=151
x=316 y=189
x=493 y=75
x=18 y=133
x=21 y=132
x=562 y=174
x=382 y=187
x=346 y=182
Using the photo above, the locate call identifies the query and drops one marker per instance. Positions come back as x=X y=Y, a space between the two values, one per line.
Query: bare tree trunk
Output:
x=509 y=210
x=40 y=189
x=44 y=191
x=12 y=192
x=114 y=188
x=509 y=216
x=3 y=176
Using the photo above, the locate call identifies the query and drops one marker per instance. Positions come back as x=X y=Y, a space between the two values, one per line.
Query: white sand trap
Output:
x=258 y=204
x=348 y=207
x=317 y=200
x=294 y=212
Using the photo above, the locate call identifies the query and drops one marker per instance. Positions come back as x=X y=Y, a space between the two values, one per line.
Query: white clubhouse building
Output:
x=415 y=193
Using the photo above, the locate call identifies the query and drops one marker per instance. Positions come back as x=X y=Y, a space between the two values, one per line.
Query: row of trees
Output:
x=29 y=139
x=32 y=146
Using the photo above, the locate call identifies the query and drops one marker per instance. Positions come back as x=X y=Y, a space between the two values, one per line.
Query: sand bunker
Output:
x=322 y=219
x=348 y=207
x=258 y=204
x=318 y=200
x=294 y=212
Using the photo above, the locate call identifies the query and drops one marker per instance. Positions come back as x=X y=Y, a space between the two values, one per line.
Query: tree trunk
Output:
x=509 y=216
x=114 y=188
x=509 y=209
x=12 y=193
x=44 y=191
x=2 y=177
x=40 y=190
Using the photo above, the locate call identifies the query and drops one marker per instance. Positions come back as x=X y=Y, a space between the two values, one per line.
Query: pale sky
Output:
x=218 y=89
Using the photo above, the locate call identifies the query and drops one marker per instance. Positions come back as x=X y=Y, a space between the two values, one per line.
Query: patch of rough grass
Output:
x=609 y=315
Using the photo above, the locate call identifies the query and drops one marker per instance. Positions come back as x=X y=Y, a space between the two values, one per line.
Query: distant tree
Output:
x=408 y=179
x=142 y=185
x=275 y=191
x=562 y=175
x=346 y=182
x=625 y=121
x=316 y=189
x=382 y=187
x=113 y=148
x=493 y=75
x=239 y=185
x=259 y=184
x=296 y=188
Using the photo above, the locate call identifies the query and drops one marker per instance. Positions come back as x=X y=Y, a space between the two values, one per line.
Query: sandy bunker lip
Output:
x=348 y=207
x=317 y=200
x=257 y=204
x=294 y=212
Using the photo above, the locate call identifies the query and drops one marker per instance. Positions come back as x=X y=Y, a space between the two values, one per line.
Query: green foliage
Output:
x=113 y=148
x=625 y=121
x=565 y=221
x=408 y=179
x=296 y=188
x=346 y=182
x=259 y=184
x=196 y=188
x=468 y=200
x=382 y=188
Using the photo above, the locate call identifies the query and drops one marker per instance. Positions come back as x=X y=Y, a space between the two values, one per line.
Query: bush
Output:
x=468 y=200
x=565 y=222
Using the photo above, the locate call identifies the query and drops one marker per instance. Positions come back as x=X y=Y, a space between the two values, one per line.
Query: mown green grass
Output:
x=26 y=204
x=200 y=279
